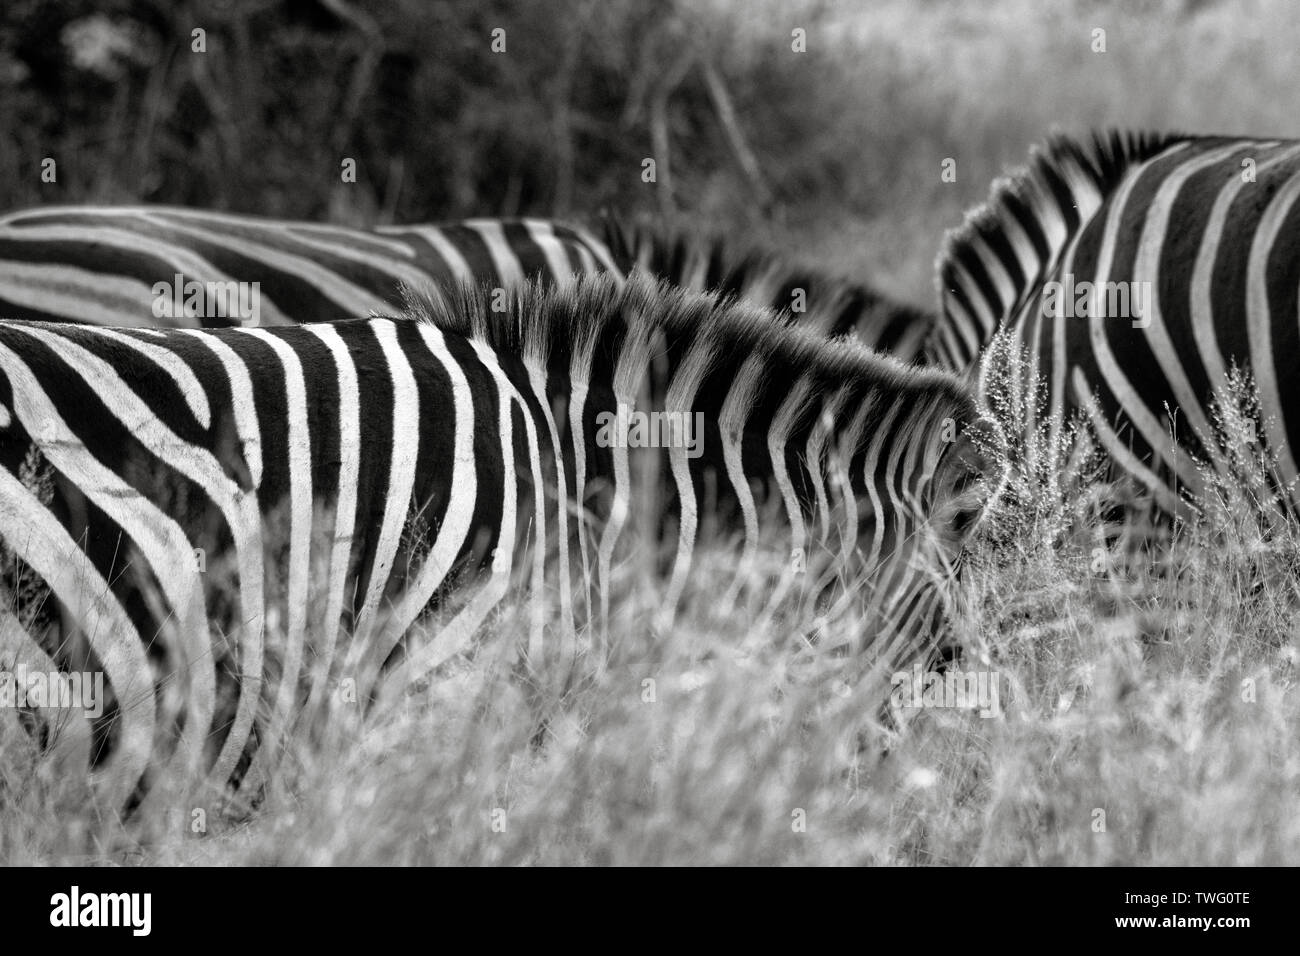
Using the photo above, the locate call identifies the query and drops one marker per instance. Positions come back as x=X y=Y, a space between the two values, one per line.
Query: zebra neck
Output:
x=991 y=265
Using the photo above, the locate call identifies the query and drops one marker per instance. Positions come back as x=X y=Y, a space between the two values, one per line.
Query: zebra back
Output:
x=147 y=266
x=828 y=304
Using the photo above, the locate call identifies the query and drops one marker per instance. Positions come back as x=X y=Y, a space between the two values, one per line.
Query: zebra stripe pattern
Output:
x=413 y=466
x=1008 y=248
x=828 y=304
x=1176 y=265
x=138 y=266
x=103 y=265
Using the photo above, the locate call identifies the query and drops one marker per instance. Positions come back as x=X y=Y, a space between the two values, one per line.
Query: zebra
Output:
x=159 y=266
x=433 y=462
x=830 y=304
x=131 y=267
x=1134 y=271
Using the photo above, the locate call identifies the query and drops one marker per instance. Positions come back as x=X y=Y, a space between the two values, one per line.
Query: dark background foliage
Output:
x=438 y=123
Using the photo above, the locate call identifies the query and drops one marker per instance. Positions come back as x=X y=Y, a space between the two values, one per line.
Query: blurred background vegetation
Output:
x=835 y=151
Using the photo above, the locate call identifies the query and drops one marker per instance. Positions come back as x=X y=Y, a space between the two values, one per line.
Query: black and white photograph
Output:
x=650 y=433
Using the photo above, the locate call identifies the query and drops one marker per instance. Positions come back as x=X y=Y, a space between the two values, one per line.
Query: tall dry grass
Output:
x=1148 y=716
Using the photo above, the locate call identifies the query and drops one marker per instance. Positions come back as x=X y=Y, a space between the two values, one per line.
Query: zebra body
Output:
x=136 y=266
x=393 y=459
x=142 y=266
x=1134 y=273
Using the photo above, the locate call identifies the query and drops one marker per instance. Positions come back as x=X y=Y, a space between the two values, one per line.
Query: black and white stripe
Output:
x=431 y=467
x=1008 y=247
x=100 y=265
x=1211 y=249
x=828 y=304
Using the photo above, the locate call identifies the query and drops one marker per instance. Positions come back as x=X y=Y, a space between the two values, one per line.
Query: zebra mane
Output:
x=730 y=264
x=600 y=314
x=1063 y=175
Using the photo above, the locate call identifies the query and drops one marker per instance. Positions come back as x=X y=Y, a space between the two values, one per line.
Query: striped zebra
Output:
x=424 y=468
x=1134 y=271
x=132 y=267
x=155 y=266
x=831 y=305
